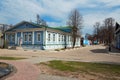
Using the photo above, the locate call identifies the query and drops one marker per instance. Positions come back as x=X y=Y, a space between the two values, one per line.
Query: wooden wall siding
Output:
x=24 y=26
x=27 y=28
x=11 y=38
x=27 y=42
x=41 y=37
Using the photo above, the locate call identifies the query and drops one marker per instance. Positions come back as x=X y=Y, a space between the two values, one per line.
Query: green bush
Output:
x=62 y=48
x=57 y=49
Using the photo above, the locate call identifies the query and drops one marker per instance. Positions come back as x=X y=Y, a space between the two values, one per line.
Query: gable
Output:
x=24 y=25
x=117 y=26
x=28 y=25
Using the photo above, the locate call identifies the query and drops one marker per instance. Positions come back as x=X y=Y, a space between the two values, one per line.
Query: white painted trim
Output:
x=46 y=37
x=29 y=37
x=24 y=37
x=16 y=38
x=57 y=41
x=49 y=37
x=33 y=37
x=37 y=37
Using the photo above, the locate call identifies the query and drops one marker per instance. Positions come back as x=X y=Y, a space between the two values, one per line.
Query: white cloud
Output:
x=110 y=3
x=20 y=10
x=14 y=11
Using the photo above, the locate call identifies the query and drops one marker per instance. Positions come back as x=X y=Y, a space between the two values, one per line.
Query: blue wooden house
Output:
x=30 y=35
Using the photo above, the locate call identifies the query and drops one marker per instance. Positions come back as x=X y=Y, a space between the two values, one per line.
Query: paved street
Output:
x=96 y=53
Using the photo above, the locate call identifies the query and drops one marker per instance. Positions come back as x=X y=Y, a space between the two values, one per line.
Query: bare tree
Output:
x=105 y=33
x=75 y=22
x=109 y=24
x=96 y=30
x=4 y=27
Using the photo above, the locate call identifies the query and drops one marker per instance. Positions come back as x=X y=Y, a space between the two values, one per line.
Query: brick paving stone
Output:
x=25 y=71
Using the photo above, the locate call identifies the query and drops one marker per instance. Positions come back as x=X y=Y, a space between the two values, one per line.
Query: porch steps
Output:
x=15 y=48
x=19 y=48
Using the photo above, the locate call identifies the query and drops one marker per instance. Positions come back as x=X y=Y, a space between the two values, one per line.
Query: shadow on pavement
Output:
x=99 y=51
x=113 y=50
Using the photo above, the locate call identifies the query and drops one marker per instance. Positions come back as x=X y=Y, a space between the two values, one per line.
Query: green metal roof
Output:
x=65 y=29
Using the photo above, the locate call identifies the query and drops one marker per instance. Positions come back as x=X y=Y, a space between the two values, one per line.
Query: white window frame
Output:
x=25 y=40
x=39 y=37
x=12 y=37
x=59 y=38
x=54 y=37
x=49 y=36
x=29 y=37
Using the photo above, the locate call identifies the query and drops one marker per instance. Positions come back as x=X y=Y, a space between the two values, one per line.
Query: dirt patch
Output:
x=81 y=76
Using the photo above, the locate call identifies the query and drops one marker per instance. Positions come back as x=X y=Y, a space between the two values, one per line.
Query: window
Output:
x=48 y=36
x=30 y=37
x=8 y=37
x=59 y=37
x=38 y=37
x=62 y=37
x=25 y=37
x=26 y=25
x=53 y=37
x=13 y=37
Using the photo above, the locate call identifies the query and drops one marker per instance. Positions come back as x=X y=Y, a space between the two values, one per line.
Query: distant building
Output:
x=86 y=41
x=30 y=35
x=117 y=36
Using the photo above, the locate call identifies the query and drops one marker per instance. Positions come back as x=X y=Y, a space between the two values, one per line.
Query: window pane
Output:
x=30 y=37
x=59 y=37
x=49 y=37
x=38 y=37
x=62 y=37
x=53 y=37
x=25 y=37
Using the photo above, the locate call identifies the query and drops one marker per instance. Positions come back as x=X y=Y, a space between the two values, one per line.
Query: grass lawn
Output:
x=107 y=71
x=11 y=58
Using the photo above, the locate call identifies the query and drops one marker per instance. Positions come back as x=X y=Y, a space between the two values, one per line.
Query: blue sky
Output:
x=56 y=12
